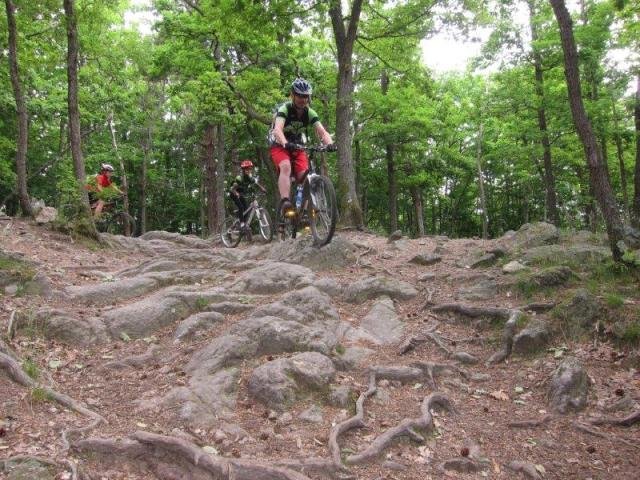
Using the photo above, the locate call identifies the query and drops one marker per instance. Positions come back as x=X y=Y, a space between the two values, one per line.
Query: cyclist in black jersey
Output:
x=290 y=124
x=243 y=185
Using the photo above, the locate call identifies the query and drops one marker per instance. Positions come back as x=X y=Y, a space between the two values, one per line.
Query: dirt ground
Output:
x=512 y=391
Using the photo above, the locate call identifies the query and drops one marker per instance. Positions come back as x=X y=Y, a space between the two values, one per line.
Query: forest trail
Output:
x=171 y=357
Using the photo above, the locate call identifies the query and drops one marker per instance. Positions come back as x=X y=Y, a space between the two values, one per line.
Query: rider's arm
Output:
x=322 y=134
x=278 y=131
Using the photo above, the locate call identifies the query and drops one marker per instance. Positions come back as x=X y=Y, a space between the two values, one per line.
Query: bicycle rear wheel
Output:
x=230 y=233
x=322 y=210
x=288 y=226
x=264 y=221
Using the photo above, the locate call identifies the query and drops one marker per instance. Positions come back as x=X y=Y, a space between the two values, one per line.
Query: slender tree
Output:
x=21 y=110
x=636 y=195
x=345 y=38
x=125 y=184
x=597 y=170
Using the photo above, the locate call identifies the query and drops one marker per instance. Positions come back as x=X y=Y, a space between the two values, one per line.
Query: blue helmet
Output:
x=301 y=87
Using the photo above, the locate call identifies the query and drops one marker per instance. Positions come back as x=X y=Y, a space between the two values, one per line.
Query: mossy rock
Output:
x=573 y=255
x=580 y=311
x=28 y=469
x=13 y=269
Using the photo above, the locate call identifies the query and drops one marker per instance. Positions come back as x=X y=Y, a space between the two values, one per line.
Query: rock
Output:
x=464 y=465
x=568 y=387
x=340 y=396
x=329 y=286
x=285 y=419
x=582 y=310
x=59 y=325
x=195 y=324
x=530 y=235
x=482 y=289
x=513 y=267
x=382 y=322
x=551 y=277
x=372 y=287
x=425 y=259
x=278 y=383
x=533 y=338
x=28 y=469
x=190 y=241
x=352 y=358
x=395 y=466
x=340 y=253
x=46 y=215
x=632 y=237
x=107 y=292
x=397 y=235
x=273 y=277
x=312 y=414
x=466 y=358
x=205 y=400
x=567 y=254
x=427 y=277
x=486 y=260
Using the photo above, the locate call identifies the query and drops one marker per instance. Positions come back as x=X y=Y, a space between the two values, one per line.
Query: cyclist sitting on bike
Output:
x=290 y=120
x=243 y=185
x=101 y=188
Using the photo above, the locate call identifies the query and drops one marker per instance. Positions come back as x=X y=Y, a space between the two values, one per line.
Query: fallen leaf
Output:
x=499 y=395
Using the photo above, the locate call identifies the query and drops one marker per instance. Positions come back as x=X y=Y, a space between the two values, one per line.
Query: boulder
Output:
x=533 y=338
x=273 y=277
x=425 y=259
x=340 y=253
x=195 y=324
x=383 y=323
x=278 y=383
x=372 y=287
x=530 y=235
x=568 y=387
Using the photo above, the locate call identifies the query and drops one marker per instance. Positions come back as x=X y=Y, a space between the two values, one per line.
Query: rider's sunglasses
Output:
x=302 y=96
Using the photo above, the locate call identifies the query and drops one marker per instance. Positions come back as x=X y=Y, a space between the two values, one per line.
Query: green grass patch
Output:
x=201 y=303
x=31 y=368
x=39 y=394
x=339 y=348
x=614 y=300
x=631 y=333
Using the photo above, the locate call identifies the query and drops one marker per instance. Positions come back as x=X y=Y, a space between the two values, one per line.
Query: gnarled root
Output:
x=530 y=423
x=507 y=338
x=15 y=372
x=406 y=427
x=471 y=311
x=162 y=452
x=621 y=422
x=596 y=433
x=355 y=421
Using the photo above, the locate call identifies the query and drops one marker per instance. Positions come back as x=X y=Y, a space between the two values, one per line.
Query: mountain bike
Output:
x=113 y=217
x=231 y=233
x=315 y=203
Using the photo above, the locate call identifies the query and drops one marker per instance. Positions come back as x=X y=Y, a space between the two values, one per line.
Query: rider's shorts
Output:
x=298 y=158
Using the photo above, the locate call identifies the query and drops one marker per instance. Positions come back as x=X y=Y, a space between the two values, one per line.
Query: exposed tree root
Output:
x=596 y=433
x=531 y=423
x=11 y=327
x=526 y=468
x=621 y=422
x=463 y=465
x=471 y=311
x=135 y=361
x=15 y=372
x=431 y=369
x=507 y=338
x=412 y=342
x=355 y=421
x=185 y=459
x=406 y=427
x=368 y=250
x=538 y=307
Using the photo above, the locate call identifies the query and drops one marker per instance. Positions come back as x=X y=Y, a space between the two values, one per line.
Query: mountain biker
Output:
x=243 y=185
x=102 y=188
x=291 y=119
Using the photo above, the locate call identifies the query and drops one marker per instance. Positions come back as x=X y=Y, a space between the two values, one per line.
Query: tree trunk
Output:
x=416 y=196
x=549 y=178
x=635 y=215
x=74 y=112
x=345 y=38
x=146 y=148
x=125 y=185
x=209 y=163
x=597 y=171
x=21 y=111
x=620 y=154
x=391 y=168
x=219 y=178
x=483 y=199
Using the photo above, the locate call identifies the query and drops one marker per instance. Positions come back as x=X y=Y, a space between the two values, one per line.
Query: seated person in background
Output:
x=102 y=188
x=241 y=187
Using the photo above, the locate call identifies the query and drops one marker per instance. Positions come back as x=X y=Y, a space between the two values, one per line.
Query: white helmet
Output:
x=106 y=166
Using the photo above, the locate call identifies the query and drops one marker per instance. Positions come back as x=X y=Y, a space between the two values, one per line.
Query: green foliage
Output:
x=614 y=300
x=31 y=368
x=40 y=395
x=631 y=333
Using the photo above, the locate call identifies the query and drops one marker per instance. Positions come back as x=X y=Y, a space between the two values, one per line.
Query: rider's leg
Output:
x=99 y=207
x=239 y=206
x=284 y=182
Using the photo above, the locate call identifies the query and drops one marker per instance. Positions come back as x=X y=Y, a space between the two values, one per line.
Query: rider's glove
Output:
x=332 y=147
x=290 y=146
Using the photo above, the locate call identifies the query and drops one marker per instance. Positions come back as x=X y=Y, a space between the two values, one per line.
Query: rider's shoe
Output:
x=286 y=207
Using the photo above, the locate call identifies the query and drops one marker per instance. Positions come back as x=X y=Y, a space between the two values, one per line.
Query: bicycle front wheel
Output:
x=266 y=230
x=230 y=234
x=322 y=210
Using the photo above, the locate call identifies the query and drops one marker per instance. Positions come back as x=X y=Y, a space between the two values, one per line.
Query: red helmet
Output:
x=246 y=164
